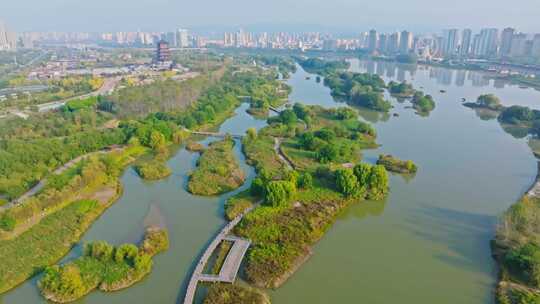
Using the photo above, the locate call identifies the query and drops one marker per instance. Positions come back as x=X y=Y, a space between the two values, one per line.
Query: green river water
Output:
x=427 y=243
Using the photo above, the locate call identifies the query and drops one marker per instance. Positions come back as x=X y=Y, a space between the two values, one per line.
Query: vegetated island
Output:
x=401 y=89
x=217 y=170
x=155 y=168
x=103 y=267
x=396 y=165
x=423 y=104
x=300 y=204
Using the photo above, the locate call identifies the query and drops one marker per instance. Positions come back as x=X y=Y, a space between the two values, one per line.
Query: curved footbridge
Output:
x=230 y=266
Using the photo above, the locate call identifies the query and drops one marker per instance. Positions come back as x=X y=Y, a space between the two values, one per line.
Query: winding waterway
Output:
x=427 y=243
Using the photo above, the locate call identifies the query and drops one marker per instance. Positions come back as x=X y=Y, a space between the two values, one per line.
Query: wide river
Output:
x=427 y=243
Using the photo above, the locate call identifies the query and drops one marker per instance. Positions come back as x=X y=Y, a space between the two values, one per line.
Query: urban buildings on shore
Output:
x=461 y=44
x=8 y=39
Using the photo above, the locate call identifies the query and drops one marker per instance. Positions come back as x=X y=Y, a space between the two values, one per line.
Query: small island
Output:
x=401 y=90
x=104 y=267
x=360 y=89
x=217 y=170
x=395 y=165
x=486 y=101
x=423 y=104
x=153 y=170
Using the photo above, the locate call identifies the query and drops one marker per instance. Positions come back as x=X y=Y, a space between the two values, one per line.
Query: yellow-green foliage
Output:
x=237 y=204
x=51 y=238
x=260 y=153
x=45 y=243
x=281 y=236
x=220 y=293
x=217 y=170
x=153 y=170
x=102 y=266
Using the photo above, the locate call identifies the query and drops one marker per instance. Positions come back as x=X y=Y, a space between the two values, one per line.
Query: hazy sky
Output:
x=333 y=15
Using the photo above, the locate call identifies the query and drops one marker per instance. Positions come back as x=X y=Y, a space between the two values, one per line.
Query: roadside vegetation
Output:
x=43 y=229
x=104 y=267
x=217 y=170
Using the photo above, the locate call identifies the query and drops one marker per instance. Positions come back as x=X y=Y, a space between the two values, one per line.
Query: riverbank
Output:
x=58 y=230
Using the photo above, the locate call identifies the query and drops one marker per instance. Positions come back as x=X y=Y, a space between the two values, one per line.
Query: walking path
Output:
x=57 y=171
x=232 y=261
x=281 y=155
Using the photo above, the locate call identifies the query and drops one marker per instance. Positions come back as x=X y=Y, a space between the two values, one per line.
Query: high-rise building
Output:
x=487 y=43
x=8 y=40
x=506 y=41
x=372 y=40
x=183 y=38
x=393 y=43
x=383 y=43
x=535 y=48
x=519 y=45
x=450 y=42
x=465 y=46
x=171 y=39
x=405 y=44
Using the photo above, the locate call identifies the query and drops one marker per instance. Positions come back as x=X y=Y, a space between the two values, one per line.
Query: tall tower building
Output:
x=393 y=43
x=506 y=41
x=487 y=43
x=383 y=43
x=183 y=38
x=405 y=44
x=450 y=42
x=519 y=45
x=372 y=40
x=466 y=37
x=535 y=49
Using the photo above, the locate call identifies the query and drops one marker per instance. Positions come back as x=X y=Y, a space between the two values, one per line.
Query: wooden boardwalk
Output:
x=232 y=262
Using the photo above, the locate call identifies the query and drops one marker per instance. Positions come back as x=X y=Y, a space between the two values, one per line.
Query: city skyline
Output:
x=205 y=15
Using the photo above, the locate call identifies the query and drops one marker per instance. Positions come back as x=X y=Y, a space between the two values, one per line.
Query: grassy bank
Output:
x=102 y=266
x=48 y=239
x=219 y=293
x=217 y=170
x=516 y=248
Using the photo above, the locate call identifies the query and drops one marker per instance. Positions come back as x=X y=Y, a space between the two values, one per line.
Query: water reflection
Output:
x=441 y=75
x=364 y=209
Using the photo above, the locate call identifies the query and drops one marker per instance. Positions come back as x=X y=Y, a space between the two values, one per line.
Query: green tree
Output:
x=157 y=140
x=346 y=182
x=378 y=183
x=279 y=193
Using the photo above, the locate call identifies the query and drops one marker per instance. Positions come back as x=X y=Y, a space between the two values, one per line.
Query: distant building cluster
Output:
x=8 y=39
x=489 y=43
